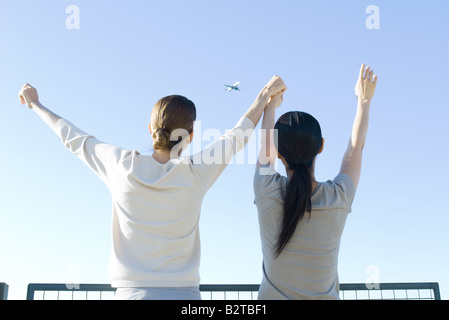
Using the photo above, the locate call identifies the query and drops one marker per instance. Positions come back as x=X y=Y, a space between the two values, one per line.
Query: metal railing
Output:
x=349 y=291
x=390 y=291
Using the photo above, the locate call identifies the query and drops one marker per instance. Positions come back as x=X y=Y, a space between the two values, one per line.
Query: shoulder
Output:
x=345 y=184
x=268 y=181
x=338 y=192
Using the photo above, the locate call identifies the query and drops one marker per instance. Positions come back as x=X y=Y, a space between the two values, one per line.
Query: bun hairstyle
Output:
x=298 y=141
x=169 y=114
x=161 y=139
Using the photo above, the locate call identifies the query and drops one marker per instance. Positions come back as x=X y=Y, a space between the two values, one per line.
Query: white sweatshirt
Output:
x=155 y=207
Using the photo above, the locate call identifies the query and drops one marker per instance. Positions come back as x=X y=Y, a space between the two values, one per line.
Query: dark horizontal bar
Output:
x=70 y=287
x=229 y=287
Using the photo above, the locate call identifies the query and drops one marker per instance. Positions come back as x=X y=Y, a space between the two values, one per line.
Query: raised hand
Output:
x=28 y=95
x=366 y=84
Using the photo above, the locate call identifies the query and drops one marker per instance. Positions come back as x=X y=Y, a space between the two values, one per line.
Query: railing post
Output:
x=30 y=292
x=3 y=291
x=436 y=291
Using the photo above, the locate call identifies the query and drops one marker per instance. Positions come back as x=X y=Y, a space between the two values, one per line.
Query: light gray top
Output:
x=307 y=267
x=155 y=207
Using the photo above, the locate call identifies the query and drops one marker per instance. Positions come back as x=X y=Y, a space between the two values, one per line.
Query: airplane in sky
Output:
x=235 y=86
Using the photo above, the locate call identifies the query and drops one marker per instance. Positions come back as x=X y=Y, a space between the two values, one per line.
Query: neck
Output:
x=161 y=156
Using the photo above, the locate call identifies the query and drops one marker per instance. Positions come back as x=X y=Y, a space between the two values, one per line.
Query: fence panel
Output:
x=349 y=291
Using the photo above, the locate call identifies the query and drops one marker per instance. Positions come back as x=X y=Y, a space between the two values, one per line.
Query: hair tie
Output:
x=301 y=162
x=162 y=129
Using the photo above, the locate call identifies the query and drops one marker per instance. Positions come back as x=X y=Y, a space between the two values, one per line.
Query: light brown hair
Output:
x=169 y=114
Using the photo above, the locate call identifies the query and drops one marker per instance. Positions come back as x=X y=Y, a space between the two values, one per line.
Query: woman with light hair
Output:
x=156 y=200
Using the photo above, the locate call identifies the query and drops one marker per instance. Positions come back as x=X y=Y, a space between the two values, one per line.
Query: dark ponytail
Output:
x=298 y=140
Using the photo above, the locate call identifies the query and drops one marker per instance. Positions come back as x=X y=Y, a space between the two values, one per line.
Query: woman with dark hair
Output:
x=302 y=220
x=156 y=200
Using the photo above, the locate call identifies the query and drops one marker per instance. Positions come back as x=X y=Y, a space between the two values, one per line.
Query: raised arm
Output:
x=267 y=154
x=364 y=90
x=102 y=158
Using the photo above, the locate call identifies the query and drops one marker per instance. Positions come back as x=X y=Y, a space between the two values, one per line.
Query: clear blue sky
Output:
x=106 y=76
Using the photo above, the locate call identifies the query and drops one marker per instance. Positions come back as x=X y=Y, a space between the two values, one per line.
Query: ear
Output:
x=149 y=127
x=191 y=136
x=322 y=146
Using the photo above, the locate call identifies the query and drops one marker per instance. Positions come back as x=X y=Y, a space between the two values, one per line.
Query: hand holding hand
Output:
x=273 y=87
x=276 y=100
x=28 y=95
x=267 y=95
x=366 y=84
